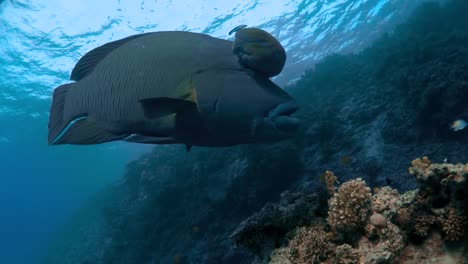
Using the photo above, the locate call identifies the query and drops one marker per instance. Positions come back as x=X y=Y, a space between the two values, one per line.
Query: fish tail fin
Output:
x=79 y=130
x=56 y=121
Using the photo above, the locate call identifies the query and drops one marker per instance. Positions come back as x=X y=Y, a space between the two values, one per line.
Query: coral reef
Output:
x=390 y=227
x=441 y=199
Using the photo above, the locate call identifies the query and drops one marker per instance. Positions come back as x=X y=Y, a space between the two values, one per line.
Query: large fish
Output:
x=170 y=87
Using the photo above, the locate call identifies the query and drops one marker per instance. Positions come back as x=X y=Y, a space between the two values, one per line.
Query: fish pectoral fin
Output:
x=163 y=106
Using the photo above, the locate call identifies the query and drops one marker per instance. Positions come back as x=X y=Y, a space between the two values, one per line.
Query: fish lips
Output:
x=281 y=118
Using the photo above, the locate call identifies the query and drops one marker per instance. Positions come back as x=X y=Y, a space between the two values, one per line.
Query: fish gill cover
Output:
x=173 y=207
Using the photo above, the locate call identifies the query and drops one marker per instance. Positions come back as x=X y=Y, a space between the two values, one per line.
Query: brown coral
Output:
x=419 y=165
x=350 y=206
x=423 y=224
x=310 y=245
x=453 y=225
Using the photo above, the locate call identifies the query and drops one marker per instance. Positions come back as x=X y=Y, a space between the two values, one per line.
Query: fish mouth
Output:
x=281 y=117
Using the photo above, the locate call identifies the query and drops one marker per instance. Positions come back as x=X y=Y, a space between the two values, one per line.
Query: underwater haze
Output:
x=366 y=114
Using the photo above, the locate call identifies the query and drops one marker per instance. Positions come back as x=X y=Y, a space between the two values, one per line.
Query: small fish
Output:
x=234 y=30
x=445 y=160
x=458 y=124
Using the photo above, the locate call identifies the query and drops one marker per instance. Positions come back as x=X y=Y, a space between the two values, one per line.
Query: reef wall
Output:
x=365 y=115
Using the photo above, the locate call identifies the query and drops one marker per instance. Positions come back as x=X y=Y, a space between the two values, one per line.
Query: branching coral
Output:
x=350 y=206
x=310 y=245
x=454 y=225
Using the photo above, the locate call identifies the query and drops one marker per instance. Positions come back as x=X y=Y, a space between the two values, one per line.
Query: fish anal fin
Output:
x=89 y=61
x=163 y=106
x=137 y=138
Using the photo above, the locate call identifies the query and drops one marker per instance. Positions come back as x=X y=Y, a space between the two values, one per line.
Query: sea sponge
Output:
x=310 y=245
x=403 y=217
x=350 y=206
x=378 y=220
x=453 y=225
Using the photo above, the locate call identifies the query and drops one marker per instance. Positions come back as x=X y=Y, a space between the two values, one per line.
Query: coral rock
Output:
x=265 y=228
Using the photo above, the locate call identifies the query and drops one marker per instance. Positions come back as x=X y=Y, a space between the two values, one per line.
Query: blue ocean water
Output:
x=40 y=41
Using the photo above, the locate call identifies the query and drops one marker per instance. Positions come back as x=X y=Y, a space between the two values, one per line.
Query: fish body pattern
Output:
x=169 y=87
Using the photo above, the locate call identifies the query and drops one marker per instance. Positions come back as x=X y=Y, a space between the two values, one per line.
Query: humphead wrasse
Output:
x=175 y=87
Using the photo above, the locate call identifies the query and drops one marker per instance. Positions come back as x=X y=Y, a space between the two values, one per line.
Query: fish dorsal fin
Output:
x=87 y=63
